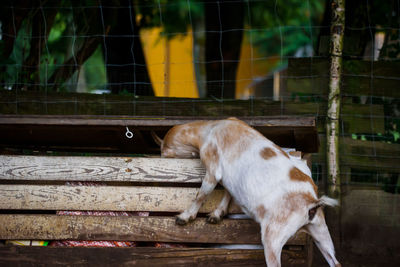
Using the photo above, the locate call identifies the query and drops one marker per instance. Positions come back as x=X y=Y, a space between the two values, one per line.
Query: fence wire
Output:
x=211 y=58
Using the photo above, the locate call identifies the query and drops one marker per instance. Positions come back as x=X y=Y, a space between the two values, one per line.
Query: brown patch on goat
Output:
x=267 y=153
x=293 y=202
x=282 y=152
x=236 y=137
x=188 y=134
x=261 y=211
x=210 y=154
x=296 y=175
x=201 y=195
x=297 y=200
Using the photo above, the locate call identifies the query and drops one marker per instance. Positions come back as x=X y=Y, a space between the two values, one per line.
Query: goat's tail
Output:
x=327 y=201
x=156 y=138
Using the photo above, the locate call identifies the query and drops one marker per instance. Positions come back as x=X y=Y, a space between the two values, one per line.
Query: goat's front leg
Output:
x=221 y=210
x=207 y=186
x=272 y=246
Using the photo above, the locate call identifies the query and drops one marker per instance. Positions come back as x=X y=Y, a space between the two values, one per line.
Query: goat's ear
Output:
x=312 y=212
x=327 y=201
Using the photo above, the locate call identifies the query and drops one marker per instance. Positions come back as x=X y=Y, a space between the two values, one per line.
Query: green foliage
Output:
x=280 y=28
x=95 y=72
x=18 y=55
x=174 y=16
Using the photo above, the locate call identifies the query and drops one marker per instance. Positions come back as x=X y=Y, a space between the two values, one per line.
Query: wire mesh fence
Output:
x=211 y=58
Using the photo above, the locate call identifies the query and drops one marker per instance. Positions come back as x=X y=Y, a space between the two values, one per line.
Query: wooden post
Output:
x=333 y=113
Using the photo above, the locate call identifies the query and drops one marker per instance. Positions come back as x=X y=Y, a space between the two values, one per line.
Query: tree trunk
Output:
x=358 y=31
x=12 y=14
x=68 y=68
x=333 y=113
x=123 y=53
x=94 y=37
x=224 y=34
x=42 y=22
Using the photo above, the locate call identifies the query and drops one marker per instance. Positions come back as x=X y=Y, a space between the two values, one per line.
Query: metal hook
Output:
x=128 y=133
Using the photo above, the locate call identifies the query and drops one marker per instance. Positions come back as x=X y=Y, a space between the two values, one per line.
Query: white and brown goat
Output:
x=273 y=189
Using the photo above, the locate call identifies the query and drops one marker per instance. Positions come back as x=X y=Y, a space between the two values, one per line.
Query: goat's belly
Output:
x=254 y=183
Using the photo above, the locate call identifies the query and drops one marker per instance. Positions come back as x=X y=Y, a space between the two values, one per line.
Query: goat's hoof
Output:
x=180 y=221
x=214 y=219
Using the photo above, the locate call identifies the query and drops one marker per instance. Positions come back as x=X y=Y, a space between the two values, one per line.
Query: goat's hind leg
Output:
x=207 y=186
x=221 y=210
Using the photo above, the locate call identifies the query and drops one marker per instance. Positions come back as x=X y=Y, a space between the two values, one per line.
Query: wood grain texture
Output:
x=135 y=228
x=101 y=169
x=114 y=198
x=107 y=133
x=38 y=256
x=363 y=155
x=148 y=121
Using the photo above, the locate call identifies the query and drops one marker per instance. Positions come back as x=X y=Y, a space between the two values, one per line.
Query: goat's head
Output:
x=318 y=229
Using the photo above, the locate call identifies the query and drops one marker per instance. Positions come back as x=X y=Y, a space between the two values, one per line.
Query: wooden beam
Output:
x=115 y=198
x=133 y=228
x=153 y=257
x=34 y=256
x=360 y=77
x=106 y=169
x=364 y=155
x=107 y=133
x=148 y=121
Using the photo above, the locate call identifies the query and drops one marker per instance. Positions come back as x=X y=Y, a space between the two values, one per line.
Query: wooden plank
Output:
x=358 y=118
x=38 y=256
x=107 y=133
x=146 y=121
x=360 y=77
x=135 y=228
x=371 y=148
x=22 y=256
x=115 y=198
x=355 y=118
x=355 y=85
x=110 y=169
x=55 y=103
x=364 y=155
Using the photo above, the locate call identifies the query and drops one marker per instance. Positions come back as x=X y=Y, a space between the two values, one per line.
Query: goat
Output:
x=273 y=189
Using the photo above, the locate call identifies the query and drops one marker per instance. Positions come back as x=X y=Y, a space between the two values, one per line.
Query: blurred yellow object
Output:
x=27 y=243
x=170 y=63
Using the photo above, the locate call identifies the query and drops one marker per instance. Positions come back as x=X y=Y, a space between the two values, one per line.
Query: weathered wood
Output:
x=355 y=118
x=134 y=228
x=356 y=147
x=360 y=77
x=364 y=155
x=18 y=256
x=361 y=122
x=141 y=121
x=115 y=169
x=107 y=133
x=370 y=148
x=38 y=256
x=52 y=103
x=115 y=198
